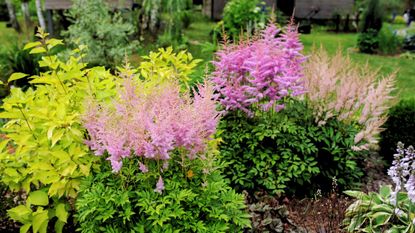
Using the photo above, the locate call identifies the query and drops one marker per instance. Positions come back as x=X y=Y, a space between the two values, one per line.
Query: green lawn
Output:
x=387 y=64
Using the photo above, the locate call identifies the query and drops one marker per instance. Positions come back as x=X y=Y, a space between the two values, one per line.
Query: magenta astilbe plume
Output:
x=260 y=72
x=152 y=125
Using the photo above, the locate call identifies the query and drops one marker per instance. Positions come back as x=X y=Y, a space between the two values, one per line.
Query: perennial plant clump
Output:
x=338 y=89
x=152 y=125
x=260 y=73
x=158 y=137
x=402 y=172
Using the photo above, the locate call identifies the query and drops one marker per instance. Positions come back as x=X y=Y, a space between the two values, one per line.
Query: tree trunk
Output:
x=12 y=16
x=26 y=13
x=40 y=14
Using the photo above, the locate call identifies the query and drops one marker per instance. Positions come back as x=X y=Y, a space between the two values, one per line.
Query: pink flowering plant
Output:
x=260 y=73
x=157 y=135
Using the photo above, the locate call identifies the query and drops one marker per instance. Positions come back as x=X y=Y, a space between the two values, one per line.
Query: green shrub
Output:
x=368 y=42
x=243 y=16
x=193 y=200
x=284 y=151
x=389 y=42
x=105 y=34
x=400 y=126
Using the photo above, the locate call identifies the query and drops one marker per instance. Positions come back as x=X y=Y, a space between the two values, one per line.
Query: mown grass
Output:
x=332 y=42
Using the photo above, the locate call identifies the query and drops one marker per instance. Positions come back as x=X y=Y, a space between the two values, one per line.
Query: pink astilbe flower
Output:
x=159 y=186
x=152 y=124
x=260 y=72
x=337 y=88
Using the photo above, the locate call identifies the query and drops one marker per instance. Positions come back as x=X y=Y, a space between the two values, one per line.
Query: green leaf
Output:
x=59 y=226
x=20 y=213
x=38 y=198
x=53 y=42
x=355 y=194
x=38 y=50
x=16 y=76
x=380 y=218
x=385 y=191
x=40 y=221
x=61 y=212
x=25 y=228
x=31 y=45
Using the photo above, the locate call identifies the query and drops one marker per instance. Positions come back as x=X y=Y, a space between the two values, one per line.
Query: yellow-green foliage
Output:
x=164 y=65
x=399 y=20
x=43 y=153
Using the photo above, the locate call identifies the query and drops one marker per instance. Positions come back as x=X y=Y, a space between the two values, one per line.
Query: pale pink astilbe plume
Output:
x=152 y=124
x=260 y=72
x=337 y=88
x=159 y=186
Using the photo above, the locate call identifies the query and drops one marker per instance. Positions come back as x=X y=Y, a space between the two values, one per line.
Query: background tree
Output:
x=26 y=13
x=12 y=15
x=40 y=14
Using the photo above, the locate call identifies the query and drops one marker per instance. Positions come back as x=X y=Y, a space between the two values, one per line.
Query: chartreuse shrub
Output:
x=159 y=142
x=389 y=210
x=43 y=153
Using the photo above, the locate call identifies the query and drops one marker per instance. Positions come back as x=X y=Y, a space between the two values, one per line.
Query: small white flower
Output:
x=399 y=212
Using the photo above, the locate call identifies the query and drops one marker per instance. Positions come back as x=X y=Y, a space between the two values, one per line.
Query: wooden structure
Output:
x=53 y=5
x=326 y=9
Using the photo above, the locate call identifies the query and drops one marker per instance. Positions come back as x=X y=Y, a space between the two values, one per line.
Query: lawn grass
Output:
x=387 y=64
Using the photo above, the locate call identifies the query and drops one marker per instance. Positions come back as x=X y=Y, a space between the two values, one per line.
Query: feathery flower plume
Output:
x=337 y=88
x=260 y=72
x=151 y=124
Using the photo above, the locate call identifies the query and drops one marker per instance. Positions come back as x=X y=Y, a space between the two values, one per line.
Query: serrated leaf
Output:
x=16 y=76
x=38 y=198
x=20 y=213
